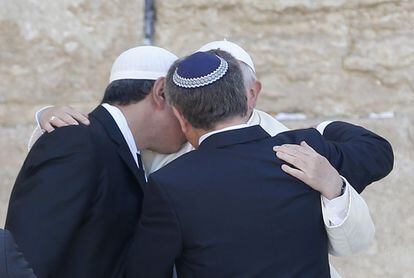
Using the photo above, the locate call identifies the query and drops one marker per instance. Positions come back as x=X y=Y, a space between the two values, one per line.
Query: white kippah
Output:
x=142 y=62
x=237 y=51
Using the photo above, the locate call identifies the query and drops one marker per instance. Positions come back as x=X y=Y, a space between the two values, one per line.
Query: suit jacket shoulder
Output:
x=61 y=142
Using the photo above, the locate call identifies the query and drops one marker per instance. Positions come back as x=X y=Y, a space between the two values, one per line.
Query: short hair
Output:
x=249 y=77
x=206 y=106
x=127 y=91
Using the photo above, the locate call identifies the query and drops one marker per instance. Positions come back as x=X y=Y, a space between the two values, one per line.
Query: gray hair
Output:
x=249 y=77
x=205 y=107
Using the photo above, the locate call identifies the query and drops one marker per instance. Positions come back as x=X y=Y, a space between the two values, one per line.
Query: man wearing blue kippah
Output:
x=228 y=209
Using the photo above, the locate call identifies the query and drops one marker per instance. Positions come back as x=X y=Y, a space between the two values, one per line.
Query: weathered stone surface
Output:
x=325 y=58
x=61 y=51
x=353 y=57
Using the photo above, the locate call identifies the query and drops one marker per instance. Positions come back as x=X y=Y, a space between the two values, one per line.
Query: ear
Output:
x=253 y=94
x=157 y=93
x=183 y=122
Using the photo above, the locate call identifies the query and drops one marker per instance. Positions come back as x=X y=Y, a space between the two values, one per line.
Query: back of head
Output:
x=207 y=88
x=134 y=72
x=234 y=49
x=245 y=61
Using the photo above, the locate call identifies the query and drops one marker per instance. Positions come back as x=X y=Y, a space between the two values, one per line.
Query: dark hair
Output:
x=204 y=107
x=127 y=91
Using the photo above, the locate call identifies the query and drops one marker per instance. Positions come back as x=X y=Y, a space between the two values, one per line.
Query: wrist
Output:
x=335 y=189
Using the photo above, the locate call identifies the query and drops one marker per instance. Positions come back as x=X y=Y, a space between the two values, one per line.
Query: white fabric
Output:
x=205 y=136
x=142 y=62
x=356 y=232
x=33 y=138
x=321 y=127
x=337 y=208
x=38 y=113
x=237 y=51
x=123 y=126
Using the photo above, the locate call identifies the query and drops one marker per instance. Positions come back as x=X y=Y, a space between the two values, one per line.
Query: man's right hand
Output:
x=58 y=116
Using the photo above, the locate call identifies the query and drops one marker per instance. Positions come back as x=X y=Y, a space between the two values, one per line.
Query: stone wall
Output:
x=325 y=59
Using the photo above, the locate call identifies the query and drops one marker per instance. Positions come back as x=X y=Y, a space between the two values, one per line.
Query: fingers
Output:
x=294 y=159
x=293 y=149
x=48 y=127
x=76 y=116
x=57 y=122
x=307 y=147
x=80 y=117
x=294 y=172
x=61 y=116
x=68 y=119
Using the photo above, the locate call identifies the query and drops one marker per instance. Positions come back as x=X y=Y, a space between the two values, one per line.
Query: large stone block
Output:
x=62 y=51
x=351 y=57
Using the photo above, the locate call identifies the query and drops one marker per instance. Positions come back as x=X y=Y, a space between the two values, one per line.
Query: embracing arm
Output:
x=355 y=232
x=359 y=155
x=50 y=197
x=346 y=216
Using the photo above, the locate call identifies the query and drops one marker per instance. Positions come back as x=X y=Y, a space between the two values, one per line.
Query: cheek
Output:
x=174 y=130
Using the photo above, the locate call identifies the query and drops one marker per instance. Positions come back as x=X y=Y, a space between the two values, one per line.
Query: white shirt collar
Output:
x=267 y=122
x=122 y=124
x=204 y=137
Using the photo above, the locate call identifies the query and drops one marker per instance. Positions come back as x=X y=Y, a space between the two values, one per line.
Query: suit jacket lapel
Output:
x=233 y=137
x=103 y=116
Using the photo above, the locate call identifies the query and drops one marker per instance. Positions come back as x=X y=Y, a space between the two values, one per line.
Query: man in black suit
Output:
x=77 y=198
x=227 y=209
x=12 y=262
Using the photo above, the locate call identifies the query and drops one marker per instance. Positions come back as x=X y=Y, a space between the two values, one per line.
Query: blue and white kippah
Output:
x=199 y=69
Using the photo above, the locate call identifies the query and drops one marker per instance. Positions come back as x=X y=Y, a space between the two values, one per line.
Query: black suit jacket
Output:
x=12 y=262
x=227 y=209
x=76 y=201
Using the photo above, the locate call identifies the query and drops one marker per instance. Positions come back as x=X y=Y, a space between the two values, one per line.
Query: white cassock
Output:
x=347 y=219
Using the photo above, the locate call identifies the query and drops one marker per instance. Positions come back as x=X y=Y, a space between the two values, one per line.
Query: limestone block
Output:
x=62 y=51
x=348 y=57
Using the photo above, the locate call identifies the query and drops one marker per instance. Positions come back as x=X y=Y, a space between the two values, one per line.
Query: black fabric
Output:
x=228 y=210
x=77 y=200
x=141 y=166
x=12 y=262
x=370 y=155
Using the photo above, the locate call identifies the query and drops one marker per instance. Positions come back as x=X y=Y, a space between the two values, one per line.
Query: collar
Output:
x=122 y=124
x=267 y=122
x=205 y=136
x=234 y=136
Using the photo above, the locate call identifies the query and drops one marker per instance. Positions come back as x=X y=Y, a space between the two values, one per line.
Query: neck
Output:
x=134 y=116
x=224 y=124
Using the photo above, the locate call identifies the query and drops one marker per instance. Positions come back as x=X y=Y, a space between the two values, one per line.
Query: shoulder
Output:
x=297 y=135
x=64 y=138
x=70 y=141
x=178 y=166
x=184 y=171
x=310 y=135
